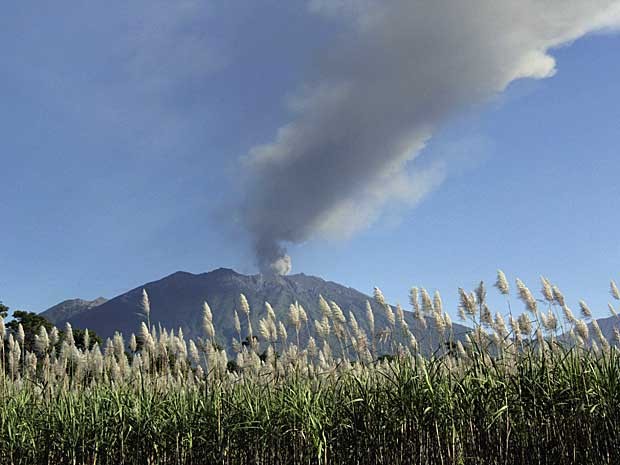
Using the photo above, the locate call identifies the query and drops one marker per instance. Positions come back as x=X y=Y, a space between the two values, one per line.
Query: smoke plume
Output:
x=397 y=71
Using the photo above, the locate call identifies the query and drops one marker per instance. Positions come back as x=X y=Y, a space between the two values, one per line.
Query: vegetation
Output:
x=537 y=390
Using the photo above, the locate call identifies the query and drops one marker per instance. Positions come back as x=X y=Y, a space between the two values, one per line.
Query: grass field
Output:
x=536 y=388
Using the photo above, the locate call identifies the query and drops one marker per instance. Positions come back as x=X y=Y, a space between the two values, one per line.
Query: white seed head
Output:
x=558 y=296
x=69 y=334
x=337 y=312
x=437 y=303
x=324 y=307
x=547 y=290
x=413 y=299
x=502 y=283
x=582 y=329
x=371 y=318
x=585 y=310
x=270 y=312
x=293 y=315
x=525 y=325
x=245 y=306
x=467 y=302
x=389 y=313
x=303 y=316
x=379 y=298
x=568 y=314
x=526 y=296
x=237 y=322
x=427 y=303
x=145 y=304
x=282 y=334
x=615 y=293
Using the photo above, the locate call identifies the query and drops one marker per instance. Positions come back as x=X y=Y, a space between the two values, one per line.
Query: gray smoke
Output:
x=398 y=70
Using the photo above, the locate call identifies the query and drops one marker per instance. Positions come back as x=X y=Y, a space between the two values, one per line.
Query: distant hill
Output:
x=176 y=301
x=64 y=311
x=607 y=326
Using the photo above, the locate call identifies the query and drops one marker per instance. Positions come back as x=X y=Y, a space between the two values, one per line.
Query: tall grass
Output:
x=535 y=390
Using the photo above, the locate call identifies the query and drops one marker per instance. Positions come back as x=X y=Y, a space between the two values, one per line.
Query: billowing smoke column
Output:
x=398 y=70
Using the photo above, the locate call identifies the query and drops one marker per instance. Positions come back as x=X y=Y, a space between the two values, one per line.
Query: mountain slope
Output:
x=64 y=311
x=176 y=301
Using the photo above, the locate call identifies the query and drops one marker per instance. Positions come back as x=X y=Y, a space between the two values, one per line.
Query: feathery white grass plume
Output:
x=525 y=325
x=207 y=320
x=145 y=304
x=437 y=302
x=485 y=315
x=370 y=317
x=526 y=296
x=427 y=302
x=558 y=296
x=546 y=290
x=612 y=310
x=293 y=315
x=148 y=344
x=69 y=334
x=311 y=346
x=2 y=329
x=237 y=322
x=400 y=315
x=193 y=353
x=616 y=335
x=540 y=338
x=133 y=343
x=447 y=321
x=599 y=333
x=245 y=306
x=585 y=310
x=582 y=329
x=440 y=324
x=324 y=307
x=481 y=293
x=379 y=297
x=502 y=283
x=467 y=302
x=322 y=327
x=270 y=312
x=282 y=333
x=551 y=321
x=615 y=293
x=355 y=329
x=568 y=314
x=413 y=299
x=303 y=316
x=267 y=329
x=207 y=314
x=86 y=339
x=389 y=314
x=41 y=341
x=500 y=325
x=21 y=335
x=337 y=312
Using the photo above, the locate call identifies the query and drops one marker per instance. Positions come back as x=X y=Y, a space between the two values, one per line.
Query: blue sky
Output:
x=126 y=127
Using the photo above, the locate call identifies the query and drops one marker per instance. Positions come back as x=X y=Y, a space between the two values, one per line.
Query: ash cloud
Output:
x=398 y=70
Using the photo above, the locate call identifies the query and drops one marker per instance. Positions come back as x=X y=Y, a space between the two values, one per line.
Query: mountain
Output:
x=176 y=301
x=64 y=311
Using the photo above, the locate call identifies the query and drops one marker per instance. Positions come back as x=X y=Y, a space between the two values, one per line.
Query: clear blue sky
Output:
x=124 y=126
